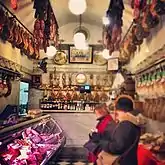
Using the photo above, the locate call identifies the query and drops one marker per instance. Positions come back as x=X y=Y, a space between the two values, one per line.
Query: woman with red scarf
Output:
x=102 y=130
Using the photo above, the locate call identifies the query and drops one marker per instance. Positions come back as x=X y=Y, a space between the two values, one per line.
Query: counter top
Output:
x=66 y=111
x=22 y=124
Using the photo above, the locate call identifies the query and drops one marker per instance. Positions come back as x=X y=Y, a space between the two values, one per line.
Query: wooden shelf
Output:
x=66 y=111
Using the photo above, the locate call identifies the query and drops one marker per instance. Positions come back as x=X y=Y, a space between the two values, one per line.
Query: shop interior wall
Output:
x=66 y=33
x=153 y=43
x=14 y=55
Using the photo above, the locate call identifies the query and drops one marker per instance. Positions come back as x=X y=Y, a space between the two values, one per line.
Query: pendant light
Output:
x=79 y=38
x=51 y=51
x=77 y=7
x=105 y=54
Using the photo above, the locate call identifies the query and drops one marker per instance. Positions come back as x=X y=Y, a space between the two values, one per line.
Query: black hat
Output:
x=124 y=103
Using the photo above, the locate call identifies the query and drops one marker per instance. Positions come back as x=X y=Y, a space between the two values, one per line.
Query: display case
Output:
x=32 y=144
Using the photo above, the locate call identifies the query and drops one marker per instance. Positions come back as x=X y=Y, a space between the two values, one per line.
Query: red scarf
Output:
x=100 y=127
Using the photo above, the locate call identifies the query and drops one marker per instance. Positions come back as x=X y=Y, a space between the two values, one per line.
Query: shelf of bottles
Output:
x=68 y=105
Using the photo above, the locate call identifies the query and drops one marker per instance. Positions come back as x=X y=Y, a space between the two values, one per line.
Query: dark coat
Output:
x=123 y=136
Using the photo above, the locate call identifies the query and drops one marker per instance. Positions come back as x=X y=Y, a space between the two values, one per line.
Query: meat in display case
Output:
x=33 y=145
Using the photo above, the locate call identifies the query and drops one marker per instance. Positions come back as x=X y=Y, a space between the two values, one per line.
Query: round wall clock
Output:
x=81 y=78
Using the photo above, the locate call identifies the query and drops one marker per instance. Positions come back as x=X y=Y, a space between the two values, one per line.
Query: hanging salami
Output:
x=13 y=4
x=112 y=33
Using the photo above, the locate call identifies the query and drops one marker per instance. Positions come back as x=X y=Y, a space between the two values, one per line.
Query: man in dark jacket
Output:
x=125 y=135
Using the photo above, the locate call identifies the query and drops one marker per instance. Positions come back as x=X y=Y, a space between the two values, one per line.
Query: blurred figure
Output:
x=121 y=147
x=101 y=131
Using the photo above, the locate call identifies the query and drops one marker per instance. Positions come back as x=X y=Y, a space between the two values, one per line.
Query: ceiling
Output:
x=93 y=15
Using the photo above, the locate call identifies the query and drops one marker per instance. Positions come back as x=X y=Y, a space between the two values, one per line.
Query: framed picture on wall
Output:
x=113 y=64
x=80 y=56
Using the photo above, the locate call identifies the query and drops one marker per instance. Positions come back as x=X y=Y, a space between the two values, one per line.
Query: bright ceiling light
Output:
x=51 y=51
x=79 y=41
x=84 y=46
x=77 y=7
x=105 y=20
x=81 y=46
x=105 y=54
x=79 y=37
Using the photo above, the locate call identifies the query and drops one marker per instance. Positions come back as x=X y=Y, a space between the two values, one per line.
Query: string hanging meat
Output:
x=112 y=32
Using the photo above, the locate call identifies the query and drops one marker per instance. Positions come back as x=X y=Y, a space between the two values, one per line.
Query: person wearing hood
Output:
x=121 y=147
x=101 y=130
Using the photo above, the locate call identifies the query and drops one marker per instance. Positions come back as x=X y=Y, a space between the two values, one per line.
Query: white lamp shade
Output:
x=105 y=54
x=51 y=51
x=81 y=46
x=79 y=37
x=77 y=7
x=79 y=41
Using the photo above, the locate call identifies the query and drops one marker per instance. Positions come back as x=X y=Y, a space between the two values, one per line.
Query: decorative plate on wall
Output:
x=98 y=58
x=81 y=78
x=60 y=58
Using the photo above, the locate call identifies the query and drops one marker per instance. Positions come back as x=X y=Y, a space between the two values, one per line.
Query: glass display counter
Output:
x=34 y=143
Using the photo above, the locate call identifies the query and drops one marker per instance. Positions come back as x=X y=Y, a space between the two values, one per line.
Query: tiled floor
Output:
x=71 y=156
x=76 y=126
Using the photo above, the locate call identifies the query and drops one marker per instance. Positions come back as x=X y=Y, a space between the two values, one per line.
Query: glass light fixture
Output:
x=79 y=37
x=105 y=54
x=77 y=7
x=51 y=51
x=84 y=46
x=80 y=41
x=81 y=46
x=106 y=20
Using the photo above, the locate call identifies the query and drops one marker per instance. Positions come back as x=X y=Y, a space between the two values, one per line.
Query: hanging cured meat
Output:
x=9 y=87
x=45 y=26
x=1 y=86
x=5 y=27
x=112 y=33
x=149 y=19
x=160 y=7
x=138 y=6
x=2 y=19
x=13 y=4
x=5 y=87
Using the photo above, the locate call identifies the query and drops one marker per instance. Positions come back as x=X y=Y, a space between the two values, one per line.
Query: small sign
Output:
x=113 y=64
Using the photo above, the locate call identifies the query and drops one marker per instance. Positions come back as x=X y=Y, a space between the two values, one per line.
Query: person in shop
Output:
x=102 y=130
x=122 y=145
